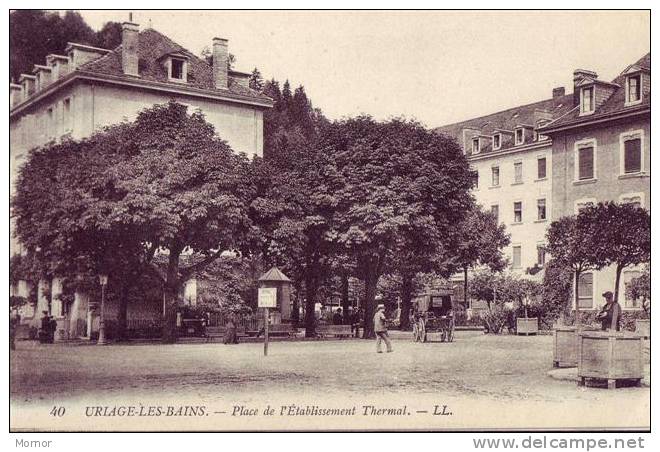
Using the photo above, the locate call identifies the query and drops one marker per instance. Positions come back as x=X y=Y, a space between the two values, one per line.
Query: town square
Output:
x=354 y=234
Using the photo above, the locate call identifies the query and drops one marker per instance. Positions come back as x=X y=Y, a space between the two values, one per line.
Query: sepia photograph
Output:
x=329 y=221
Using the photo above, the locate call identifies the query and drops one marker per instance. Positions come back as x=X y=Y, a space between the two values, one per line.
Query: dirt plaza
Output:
x=489 y=374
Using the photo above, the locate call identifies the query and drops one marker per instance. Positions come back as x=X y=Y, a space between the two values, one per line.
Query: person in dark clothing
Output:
x=337 y=318
x=14 y=322
x=44 y=331
x=52 y=327
x=610 y=314
x=230 y=335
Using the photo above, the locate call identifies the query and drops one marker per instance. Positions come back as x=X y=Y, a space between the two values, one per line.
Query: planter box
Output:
x=609 y=356
x=527 y=326
x=643 y=327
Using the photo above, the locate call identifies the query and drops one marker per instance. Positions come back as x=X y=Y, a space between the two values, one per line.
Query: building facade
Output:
x=88 y=88
x=514 y=165
x=539 y=162
x=602 y=152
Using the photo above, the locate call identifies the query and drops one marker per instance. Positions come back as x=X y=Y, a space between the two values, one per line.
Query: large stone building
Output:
x=602 y=152
x=88 y=88
x=526 y=158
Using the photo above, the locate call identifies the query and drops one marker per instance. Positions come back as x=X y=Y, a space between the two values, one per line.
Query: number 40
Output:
x=58 y=411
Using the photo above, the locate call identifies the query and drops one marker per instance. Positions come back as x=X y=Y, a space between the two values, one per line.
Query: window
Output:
x=540 y=208
x=541 y=170
x=539 y=124
x=633 y=89
x=497 y=141
x=587 y=100
x=475 y=145
x=583 y=203
x=520 y=136
x=517 y=256
x=517 y=173
x=66 y=113
x=631 y=157
x=177 y=69
x=50 y=122
x=540 y=255
x=517 y=212
x=636 y=199
x=628 y=276
x=495 y=176
x=476 y=180
x=495 y=211
x=586 y=290
x=585 y=161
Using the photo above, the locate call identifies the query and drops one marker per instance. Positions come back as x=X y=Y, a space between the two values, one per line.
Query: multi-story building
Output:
x=88 y=88
x=539 y=162
x=514 y=167
x=601 y=151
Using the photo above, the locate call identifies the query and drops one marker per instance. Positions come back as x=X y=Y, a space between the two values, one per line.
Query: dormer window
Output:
x=539 y=124
x=475 y=146
x=587 y=100
x=177 y=68
x=497 y=141
x=633 y=89
x=520 y=135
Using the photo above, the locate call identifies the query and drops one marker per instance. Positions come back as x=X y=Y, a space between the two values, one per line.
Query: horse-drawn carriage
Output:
x=433 y=312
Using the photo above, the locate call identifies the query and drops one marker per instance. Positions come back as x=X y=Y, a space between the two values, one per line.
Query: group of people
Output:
x=354 y=317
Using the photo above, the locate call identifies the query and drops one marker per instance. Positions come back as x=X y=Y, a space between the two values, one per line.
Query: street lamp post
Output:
x=103 y=279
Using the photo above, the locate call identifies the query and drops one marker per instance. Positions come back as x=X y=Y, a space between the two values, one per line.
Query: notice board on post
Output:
x=267 y=297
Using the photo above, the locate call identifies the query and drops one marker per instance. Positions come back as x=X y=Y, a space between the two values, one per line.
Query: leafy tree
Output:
x=640 y=287
x=109 y=36
x=477 y=241
x=556 y=289
x=571 y=241
x=622 y=236
x=385 y=180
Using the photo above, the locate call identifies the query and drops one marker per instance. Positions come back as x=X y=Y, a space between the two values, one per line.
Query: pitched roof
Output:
x=615 y=103
x=274 y=275
x=511 y=118
x=152 y=46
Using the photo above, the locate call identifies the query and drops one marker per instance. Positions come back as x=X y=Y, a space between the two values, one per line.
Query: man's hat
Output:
x=380 y=306
x=608 y=295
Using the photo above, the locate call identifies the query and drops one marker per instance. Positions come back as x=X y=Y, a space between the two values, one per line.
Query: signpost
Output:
x=267 y=299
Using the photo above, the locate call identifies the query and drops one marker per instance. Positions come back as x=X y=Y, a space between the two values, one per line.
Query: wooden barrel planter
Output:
x=643 y=327
x=610 y=356
x=527 y=325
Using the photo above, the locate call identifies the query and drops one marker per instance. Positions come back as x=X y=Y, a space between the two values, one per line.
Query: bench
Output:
x=213 y=332
x=276 y=329
x=334 y=330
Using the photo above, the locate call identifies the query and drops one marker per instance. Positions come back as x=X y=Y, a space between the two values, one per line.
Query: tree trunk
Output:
x=619 y=269
x=406 y=300
x=577 y=299
x=295 y=308
x=122 y=314
x=465 y=287
x=171 y=294
x=310 y=306
x=345 y=302
x=370 y=281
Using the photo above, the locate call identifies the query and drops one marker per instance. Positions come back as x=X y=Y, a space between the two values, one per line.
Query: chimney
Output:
x=15 y=95
x=558 y=92
x=129 y=48
x=220 y=63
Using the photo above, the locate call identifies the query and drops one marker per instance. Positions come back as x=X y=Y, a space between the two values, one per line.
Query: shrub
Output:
x=494 y=319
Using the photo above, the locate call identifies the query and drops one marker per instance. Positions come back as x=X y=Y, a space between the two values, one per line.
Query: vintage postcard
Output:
x=329 y=220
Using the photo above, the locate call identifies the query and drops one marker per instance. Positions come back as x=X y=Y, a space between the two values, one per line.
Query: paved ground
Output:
x=503 y=373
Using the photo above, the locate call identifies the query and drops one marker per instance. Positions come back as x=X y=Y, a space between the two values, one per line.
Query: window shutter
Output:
x=586 y=164
x=632 y=156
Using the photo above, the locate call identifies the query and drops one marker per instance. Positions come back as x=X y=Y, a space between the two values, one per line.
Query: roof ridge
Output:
x=500 y=112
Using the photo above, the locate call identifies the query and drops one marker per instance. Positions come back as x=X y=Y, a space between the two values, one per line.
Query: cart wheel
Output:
x=415 y=333
x=422 y=330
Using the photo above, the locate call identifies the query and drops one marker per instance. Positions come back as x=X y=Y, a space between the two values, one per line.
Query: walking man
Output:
x=380 y=329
